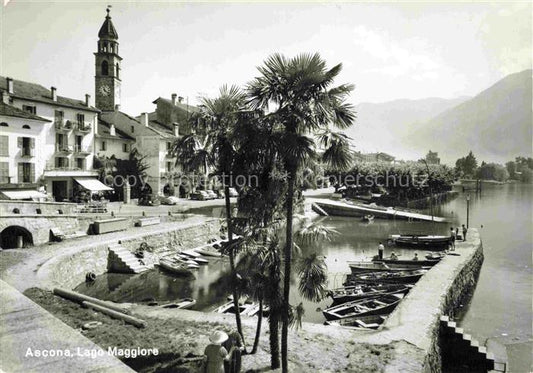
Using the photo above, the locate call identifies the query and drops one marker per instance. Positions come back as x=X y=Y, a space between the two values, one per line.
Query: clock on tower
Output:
x=107 y=67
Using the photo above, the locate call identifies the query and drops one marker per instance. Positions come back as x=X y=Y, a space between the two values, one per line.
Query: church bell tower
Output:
x=107 y=67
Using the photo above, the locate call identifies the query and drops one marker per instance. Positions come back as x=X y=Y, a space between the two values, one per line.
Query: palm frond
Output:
x=312 y=273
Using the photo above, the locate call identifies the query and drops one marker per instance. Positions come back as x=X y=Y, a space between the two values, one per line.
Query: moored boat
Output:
x=407 y=263
x=174 y=267
x=359 y=322
x=190 y=263
x=419 y=240
x=181 y=304
x=364 y=267
x=351 y=293
x=228 y=307
x=382 y=305
x=401 y=277
x=208 y=251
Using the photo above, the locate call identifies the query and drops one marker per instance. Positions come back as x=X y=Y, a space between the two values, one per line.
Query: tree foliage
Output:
x=466 y=166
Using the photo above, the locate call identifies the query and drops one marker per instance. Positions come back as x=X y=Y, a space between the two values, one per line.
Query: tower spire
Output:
x=107 y=30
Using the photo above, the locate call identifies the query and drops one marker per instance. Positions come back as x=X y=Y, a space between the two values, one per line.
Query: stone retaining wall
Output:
x=69 y=269
x=439 y=292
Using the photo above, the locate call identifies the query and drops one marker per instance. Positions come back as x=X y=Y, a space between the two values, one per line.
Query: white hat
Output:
x=218 y=337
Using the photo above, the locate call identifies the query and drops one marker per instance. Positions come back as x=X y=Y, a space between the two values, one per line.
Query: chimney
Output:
x=54 y=93
x=144 y=119
x=180 y=99
x=87 y=100
x=176 y=129
x=9 y=85
x=5 y=97
x=112 y=131
x=117 y=107
x=174 y=98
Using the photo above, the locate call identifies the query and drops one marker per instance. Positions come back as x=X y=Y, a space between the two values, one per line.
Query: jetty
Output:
x=339 y=208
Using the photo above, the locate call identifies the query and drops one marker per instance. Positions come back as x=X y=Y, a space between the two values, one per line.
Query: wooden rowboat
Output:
x=358 y=267
x=402 y=277
x=208 y=251
x=174 y=267
x=181 y=304
x=359 y=322
x=419 y=240
x=382 y=305
x=352 y=293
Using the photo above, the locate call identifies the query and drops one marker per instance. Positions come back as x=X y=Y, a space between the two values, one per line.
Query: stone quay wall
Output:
x=439 y=292
x=69 y=268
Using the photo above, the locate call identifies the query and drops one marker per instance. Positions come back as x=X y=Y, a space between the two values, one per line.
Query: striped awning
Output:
x=93 y=185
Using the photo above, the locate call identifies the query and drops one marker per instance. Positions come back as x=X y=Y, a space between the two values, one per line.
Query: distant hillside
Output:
x=496 y=124
x=383 y=126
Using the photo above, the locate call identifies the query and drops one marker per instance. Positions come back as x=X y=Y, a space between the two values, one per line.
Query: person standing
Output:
x=465 y=230
x=452 y=238
x=215 y=353
x=381 y=250
x=234 y=343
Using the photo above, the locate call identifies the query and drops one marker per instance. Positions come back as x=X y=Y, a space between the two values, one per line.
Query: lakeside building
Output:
x=46 y=140
x=375 y=157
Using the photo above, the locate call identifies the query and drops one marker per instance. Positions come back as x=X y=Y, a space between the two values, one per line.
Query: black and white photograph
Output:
x=275 y=186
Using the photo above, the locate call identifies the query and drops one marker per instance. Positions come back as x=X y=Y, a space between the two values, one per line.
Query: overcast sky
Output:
x=389 y=51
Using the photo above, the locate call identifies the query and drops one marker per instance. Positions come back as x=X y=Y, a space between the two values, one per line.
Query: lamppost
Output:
x=467 y=210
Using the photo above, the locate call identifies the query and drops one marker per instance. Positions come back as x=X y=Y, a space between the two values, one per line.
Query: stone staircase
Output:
x=461 y=352
x=121 y=260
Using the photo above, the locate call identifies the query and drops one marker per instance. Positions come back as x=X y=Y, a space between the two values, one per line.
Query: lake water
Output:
x=501 y=306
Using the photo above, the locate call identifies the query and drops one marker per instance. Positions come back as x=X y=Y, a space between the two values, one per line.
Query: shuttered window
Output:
x=26 y=172
x=4 y=172
x=4 y=146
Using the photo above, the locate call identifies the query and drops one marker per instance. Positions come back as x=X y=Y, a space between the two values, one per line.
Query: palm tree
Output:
x=217 y=120
x=297 y=91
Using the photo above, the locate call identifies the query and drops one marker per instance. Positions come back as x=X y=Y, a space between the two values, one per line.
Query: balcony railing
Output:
x=63 y=148
x=83 y=127
x=53 y=167
x=82 y=149
x=63 y=125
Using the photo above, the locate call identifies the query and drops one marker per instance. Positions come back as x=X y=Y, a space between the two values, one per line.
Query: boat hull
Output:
x=382 y=305
x=408 y=263
x=405 y=277
x=367 y=267
x=346 y=294
x=177 y=269
x=418 y=241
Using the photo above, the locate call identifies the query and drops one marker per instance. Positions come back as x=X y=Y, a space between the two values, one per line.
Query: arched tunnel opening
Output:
x=15 y=237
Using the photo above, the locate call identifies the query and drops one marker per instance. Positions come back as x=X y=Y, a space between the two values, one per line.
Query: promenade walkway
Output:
x=26 y=328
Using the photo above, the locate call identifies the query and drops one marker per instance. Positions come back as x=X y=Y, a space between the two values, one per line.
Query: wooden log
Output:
x=116 y=315
x=72 y=295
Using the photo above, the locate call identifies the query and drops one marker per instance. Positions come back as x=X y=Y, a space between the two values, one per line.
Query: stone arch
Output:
x=15 y=236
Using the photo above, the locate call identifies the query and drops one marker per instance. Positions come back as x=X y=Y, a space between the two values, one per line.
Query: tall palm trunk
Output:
x=259 y=323
x=273 y=297
x=287 y=275
x=273 y=324
x=234 y=292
